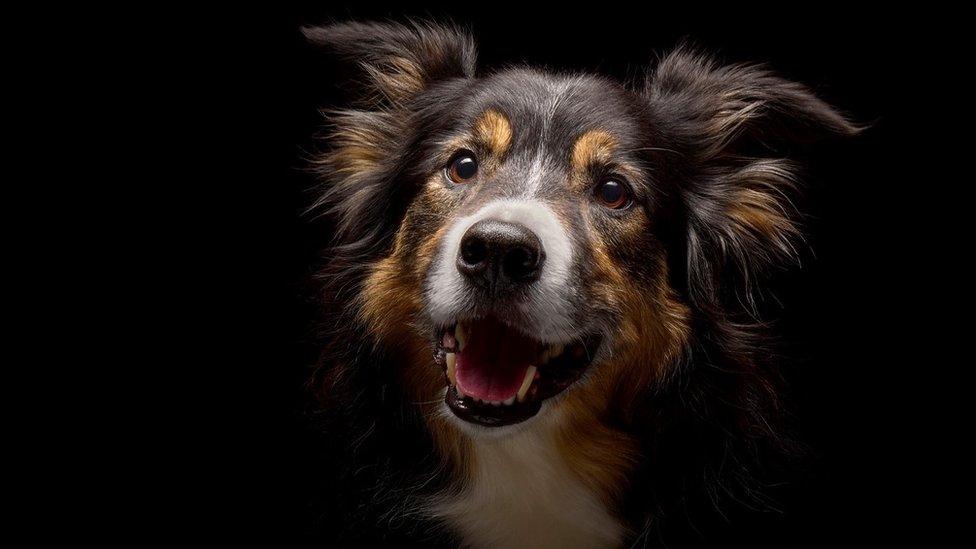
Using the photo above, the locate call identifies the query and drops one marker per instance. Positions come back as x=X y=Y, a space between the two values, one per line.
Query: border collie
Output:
x=541 y=328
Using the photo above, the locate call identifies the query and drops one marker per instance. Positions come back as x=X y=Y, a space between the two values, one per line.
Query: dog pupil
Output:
x=465 y=167
x=611 y=192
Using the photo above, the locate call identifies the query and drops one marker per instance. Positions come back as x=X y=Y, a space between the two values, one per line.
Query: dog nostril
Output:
x=474 y=251
x=474 y=254
x=520 y=263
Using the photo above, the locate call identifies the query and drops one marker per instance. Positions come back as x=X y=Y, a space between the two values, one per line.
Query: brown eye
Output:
x=462 y=168
x=613 y=194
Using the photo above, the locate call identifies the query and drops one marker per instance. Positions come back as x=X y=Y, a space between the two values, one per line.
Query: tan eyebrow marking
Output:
x=493 y=129
x=594 y=146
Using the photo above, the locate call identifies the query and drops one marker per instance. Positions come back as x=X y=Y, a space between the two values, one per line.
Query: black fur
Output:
x=713 y=131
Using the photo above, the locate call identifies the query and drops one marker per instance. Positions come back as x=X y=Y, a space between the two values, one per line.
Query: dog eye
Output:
x=462 y=168
x=613 y=194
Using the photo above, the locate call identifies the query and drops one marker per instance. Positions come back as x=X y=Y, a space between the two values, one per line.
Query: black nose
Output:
x=500 y=255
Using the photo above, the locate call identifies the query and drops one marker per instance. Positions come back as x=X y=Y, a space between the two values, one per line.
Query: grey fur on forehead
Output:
x=554 y=109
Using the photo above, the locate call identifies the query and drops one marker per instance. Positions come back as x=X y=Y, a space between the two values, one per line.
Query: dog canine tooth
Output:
x=451 y=360
x=509 y=401
x=526 y=383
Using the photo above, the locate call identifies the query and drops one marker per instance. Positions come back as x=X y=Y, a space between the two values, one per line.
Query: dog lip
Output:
x=487 y=415
x=558 y=367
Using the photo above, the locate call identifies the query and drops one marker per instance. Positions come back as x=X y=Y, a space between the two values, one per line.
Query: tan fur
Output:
x=357 y=142
x=760 y=205
x=397 y=78
x=655 y=325
x=494 y=131
x=593 y=147
x=599 y=456
x=392 y=296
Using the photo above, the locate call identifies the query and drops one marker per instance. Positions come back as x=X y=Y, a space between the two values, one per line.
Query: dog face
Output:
x=552 y=240
x=542 y=194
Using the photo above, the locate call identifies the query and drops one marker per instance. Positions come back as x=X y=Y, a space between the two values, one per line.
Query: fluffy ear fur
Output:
x=729 y=122
x=398 y=63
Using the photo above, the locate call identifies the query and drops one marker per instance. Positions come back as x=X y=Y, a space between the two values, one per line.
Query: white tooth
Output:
x=509 y=401
x=460 y=335
x=526 y=383
x=496 y=403
x=451 y=372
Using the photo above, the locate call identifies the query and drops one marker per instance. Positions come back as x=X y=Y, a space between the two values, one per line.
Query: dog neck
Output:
x=552 y=482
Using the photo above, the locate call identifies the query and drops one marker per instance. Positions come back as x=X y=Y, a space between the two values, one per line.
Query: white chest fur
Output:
x=522 y=493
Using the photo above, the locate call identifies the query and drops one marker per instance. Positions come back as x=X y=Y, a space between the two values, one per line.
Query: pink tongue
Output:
x=493 y=361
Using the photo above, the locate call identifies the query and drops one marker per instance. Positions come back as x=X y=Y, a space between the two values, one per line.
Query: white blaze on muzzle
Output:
x=549 y=307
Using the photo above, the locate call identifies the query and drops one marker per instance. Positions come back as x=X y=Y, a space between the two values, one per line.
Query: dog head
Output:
x=554 y=241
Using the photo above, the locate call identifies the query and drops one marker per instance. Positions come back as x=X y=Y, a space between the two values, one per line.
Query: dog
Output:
x=541 y=330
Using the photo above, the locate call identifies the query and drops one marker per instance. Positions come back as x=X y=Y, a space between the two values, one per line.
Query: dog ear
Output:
x=396 y=63
x=732 y=125
x=398 y=60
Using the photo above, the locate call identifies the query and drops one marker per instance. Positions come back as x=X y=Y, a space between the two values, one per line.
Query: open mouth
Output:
x=499 y=376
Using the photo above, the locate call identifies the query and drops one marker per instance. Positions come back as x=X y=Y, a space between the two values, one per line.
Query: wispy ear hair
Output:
x=740 y=212
x=399 y=60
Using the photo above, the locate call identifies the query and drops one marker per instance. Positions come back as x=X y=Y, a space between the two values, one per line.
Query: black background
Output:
x=861 y=373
